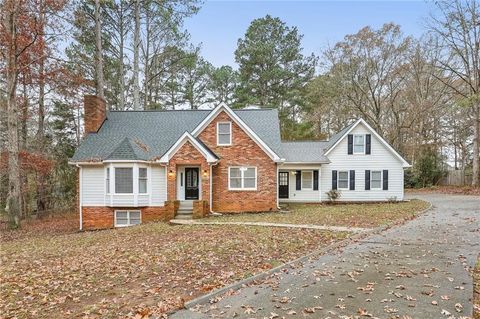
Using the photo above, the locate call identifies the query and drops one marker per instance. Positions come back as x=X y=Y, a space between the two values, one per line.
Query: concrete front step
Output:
x=184 y=212
x=184 y=217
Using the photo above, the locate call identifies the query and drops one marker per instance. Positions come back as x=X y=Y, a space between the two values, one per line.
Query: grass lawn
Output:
x=353 y=215
x=150 y=268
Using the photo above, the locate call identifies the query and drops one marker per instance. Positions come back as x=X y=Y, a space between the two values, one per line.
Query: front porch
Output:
x=299 y=183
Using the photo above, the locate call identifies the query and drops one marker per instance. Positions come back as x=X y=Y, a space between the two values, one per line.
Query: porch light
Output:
x=205 y=173
x=170 y=173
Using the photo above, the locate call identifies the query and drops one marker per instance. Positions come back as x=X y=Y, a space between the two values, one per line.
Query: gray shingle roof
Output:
x=305 y=151
x=147 y=135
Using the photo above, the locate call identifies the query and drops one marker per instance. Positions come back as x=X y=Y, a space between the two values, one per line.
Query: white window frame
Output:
x=128 y=215
x=146 y=180
x=311 y=184
x=348 y=180
x=381 y=180
x=242 y=170
x=135 y=180
x=218 y=134
x=364 y=143
x=115 y=179
x=108 y=188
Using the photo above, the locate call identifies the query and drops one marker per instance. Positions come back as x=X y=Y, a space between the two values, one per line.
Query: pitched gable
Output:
x=342 y=135
x=234 y=118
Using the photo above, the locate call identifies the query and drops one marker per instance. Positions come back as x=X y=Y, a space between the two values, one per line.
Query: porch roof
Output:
x=305 y=152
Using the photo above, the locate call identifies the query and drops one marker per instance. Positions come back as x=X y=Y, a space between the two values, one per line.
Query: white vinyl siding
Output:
x=242 y=178
x=93 y=185
x=380 y=159
x=224 y=133
x=124 y=218
x=158 y=182
x=302 y=195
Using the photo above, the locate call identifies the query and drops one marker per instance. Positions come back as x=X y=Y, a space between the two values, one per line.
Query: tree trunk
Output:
x=98 y=51
x=476 y=147
x=14 y=207
x=121 y=64
x=41 y=193
x=136 y=48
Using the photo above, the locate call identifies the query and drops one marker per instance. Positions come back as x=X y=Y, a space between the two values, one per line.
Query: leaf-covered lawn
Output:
x=353 y=215
x=150 y=268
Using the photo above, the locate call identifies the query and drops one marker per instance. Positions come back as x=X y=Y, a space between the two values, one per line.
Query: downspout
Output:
x=80 y=195
x=211 y=188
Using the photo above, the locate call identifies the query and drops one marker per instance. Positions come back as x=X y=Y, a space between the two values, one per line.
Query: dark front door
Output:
x=283 y=184
x=191 y=183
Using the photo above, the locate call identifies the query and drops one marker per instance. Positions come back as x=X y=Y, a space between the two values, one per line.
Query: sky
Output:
x=219 y=24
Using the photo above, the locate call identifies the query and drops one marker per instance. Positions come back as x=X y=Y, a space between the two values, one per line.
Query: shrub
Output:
x=333 y=195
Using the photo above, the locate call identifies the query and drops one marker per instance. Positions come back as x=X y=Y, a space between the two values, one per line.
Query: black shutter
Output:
x=334 y=179
x=368 y=144
x=350 y=144
x=315 y=180
x=385 y=179
x=352 y=180
x=298 y=180
x=367 y=180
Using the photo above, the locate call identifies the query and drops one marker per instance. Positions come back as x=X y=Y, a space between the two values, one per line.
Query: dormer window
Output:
x=359 y=144
x=224 y=133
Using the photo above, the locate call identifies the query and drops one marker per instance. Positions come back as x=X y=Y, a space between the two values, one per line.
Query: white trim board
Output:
x=385 y=143
x=180 y=142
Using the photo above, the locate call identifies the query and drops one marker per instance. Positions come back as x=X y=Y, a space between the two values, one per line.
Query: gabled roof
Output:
x=253 y=135
x=187 y=137
x=336 y=139
x=152 y=133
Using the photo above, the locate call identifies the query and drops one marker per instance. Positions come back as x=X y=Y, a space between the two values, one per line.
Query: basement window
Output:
x=125 y=218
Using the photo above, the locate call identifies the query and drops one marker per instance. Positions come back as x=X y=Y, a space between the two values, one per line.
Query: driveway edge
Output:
x=262 y=275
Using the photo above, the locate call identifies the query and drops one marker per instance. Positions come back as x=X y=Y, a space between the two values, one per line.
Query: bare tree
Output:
x=136 y=57
x=98 y=52
x=458 y=29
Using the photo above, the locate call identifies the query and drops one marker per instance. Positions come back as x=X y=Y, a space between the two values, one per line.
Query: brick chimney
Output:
x=94 y=113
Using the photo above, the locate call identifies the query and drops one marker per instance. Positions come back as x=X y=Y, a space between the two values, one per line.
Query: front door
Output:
x=283 y=185
x=191 y=183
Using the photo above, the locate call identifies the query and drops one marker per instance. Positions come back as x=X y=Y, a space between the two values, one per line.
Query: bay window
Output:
x=123 y=180
x=142 y=180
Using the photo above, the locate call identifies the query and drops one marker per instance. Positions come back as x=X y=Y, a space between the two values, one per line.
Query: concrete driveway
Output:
x=417 y=270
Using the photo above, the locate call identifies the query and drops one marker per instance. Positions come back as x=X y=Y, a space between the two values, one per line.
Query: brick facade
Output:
x=94 y=113
x=188 y=155
x=243 y=152
x=101 y=217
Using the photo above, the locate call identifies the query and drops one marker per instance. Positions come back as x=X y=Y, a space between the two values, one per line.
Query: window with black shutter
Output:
x=315 y=180
x=334 y=179
x=368 y=144
x=367 y=180
x=298 y=180
x=385 y=179
x=352 y=180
